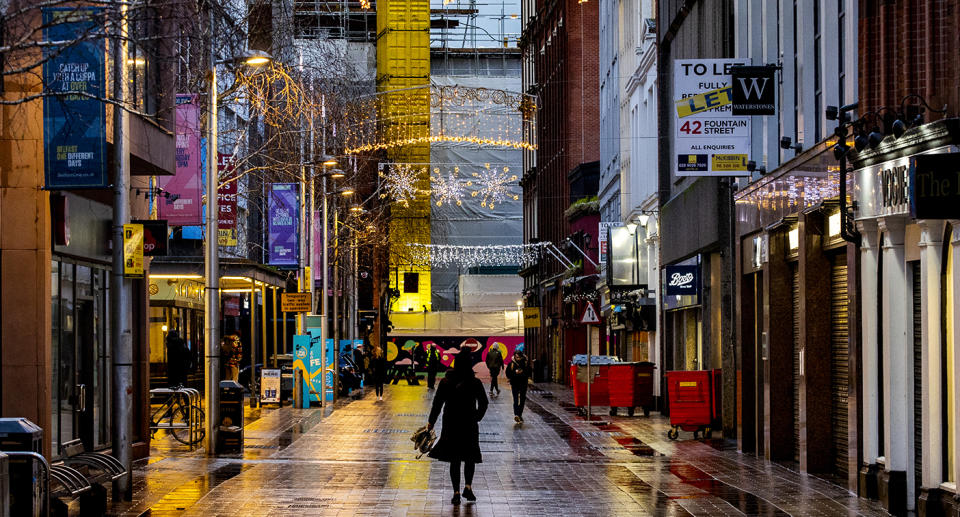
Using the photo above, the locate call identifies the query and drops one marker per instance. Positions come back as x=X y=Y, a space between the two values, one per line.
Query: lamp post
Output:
x=211 y=312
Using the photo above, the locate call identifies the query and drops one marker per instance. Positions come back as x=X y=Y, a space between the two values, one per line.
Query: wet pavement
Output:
x=357 y=459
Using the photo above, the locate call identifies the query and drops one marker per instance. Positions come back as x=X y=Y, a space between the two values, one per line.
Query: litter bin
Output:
x=230 y=431
x=20 y=434
x=691 y=402
x=631 y=386
x=599 y=390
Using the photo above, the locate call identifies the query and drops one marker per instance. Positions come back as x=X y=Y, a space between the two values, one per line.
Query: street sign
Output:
x=295 y=302
x=590 y=315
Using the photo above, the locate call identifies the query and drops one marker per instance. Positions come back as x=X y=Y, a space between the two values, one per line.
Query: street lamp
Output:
x=326 y=161
x=211 y=313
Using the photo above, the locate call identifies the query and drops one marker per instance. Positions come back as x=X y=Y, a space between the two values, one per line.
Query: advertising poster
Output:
x=183 y=206
x=133 y=250
x=284 y=207
x=709 y=140
x=155 y=233
x=227 y=202
x=74 y=121
x=270 y=386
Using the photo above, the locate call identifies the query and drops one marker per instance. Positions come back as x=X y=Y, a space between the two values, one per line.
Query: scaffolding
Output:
x=335 y=19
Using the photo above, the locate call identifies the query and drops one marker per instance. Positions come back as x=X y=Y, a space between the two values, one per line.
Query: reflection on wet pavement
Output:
x=358 y=460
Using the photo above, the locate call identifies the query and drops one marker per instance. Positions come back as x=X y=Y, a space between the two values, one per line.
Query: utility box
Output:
x=230 y=426
x=20 y=434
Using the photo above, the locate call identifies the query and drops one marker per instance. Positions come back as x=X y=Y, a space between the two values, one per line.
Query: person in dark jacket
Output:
x=494 y=364
x=433 y=365
x=378 y=370
x=518 y=371
x=461 y=396
x=178 y=359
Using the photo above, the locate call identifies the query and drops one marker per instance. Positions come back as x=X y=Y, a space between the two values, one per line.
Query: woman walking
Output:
x=378 y=365
x=461 y=396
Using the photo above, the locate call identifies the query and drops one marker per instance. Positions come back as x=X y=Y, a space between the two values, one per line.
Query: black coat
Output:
x=378 y=367
x=464 y=402
x=518 y=371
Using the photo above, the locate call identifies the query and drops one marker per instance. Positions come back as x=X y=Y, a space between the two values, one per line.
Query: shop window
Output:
x=411 y=282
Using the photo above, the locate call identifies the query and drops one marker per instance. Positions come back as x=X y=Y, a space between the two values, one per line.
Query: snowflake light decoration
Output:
x=400 y=183
x=447 y=188
x=493 y=186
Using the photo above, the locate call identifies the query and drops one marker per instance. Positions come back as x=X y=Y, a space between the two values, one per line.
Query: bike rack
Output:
x=46 y=477
x=192 y=398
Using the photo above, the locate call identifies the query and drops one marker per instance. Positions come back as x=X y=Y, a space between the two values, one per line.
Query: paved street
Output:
x=358 y=460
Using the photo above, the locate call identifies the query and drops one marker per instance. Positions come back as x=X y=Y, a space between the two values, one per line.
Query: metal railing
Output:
x=188 y=397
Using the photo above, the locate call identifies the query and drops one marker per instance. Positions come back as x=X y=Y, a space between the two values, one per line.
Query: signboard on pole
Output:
x=754 y=90
x=133 y=250
x=590 y=315
x=295 y=302
x=682 y=280
x=270 y=386
x=181 y=206
x=709 y=140
x=74 y=113
x=284 y=208
x=531 y=317
x=227 y=202
x=603 y=242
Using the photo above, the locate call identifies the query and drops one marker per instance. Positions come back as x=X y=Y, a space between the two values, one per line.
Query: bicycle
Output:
x=173 y=416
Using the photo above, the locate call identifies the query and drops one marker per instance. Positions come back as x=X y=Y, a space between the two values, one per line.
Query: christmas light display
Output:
x=400 y=182
x=453 y=114
x=447 y=188
x=493 y=184
x=471 y=256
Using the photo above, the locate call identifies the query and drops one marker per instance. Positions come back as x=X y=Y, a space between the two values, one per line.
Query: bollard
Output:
x=297 y=388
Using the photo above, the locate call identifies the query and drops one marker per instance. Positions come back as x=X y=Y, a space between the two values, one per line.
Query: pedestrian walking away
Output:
x=518 y=371
x=461 y=398
x=378 y=367
x=433 y=365
x=494 y=364
x=178 y=359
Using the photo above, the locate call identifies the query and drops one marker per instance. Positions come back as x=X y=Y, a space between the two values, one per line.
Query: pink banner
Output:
x=182 y=207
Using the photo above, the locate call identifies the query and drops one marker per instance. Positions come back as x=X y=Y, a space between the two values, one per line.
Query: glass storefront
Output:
x=80 y=333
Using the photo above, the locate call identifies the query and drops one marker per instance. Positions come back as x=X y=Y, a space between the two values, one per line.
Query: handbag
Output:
x=423 y=439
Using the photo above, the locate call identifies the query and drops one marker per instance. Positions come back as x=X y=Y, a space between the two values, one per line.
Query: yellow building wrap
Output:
x=403 y=68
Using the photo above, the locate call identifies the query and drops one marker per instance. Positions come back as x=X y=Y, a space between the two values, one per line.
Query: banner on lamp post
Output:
x=133 y=250
x=227 y=202
x=284 y=208
x=181 y=204
x=74 y=114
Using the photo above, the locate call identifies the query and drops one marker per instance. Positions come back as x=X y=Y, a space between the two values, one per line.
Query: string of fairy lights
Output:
x=491 y=184
x=457 y=115
x=445 y=255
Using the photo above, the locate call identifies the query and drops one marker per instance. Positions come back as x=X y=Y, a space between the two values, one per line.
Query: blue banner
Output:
x=284 y=211
x=74 y=122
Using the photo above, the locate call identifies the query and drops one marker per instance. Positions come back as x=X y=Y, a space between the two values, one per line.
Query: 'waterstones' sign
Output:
x=935 y=186
x=682 y=280
x=754 y=90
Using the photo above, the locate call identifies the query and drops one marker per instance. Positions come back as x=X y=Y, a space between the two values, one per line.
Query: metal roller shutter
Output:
x=796 y=364
x=917 y=378
x=839 y=363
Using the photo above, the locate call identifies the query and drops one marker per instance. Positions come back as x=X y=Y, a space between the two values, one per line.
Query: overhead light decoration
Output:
x=494 y=186
x=472 y=256
x=400 y=182
x=455 y=114
x=447 y=188
x=364 y=4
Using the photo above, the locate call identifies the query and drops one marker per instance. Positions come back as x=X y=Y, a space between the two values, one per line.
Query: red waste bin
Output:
x=599 y=394
x=691 y=402
x=631 y=386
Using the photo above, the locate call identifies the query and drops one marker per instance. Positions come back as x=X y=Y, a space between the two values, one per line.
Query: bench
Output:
x=81 y=475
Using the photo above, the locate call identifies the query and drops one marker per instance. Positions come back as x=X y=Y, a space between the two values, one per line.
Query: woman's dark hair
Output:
x=463 y=364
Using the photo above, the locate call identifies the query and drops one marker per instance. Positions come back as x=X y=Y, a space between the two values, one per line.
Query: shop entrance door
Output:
x=84 y=374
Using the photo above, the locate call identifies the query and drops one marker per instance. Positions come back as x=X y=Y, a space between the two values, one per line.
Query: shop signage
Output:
x=934 y=181
x=284 y=208
x=181 y=206
x=602 y=240
x=227 y=202
x=270 y=386
x=754 y=90
x=74 y=121
x=133 y=250
x=683 y=280
x=231 y=305
x=624 y=258
x=180 y=291
x=709 y=140
x=155 y=232
x=531 y=317
x=295 y=302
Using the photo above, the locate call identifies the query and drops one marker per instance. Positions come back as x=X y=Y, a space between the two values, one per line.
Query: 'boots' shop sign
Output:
x=888 y=188
x=682 y=280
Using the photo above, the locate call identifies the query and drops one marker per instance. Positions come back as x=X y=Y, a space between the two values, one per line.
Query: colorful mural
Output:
x=402 y=350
